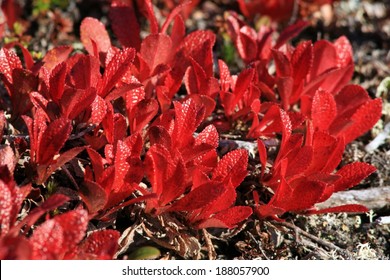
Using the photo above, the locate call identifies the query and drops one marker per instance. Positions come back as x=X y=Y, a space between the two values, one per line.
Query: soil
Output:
x=329 y=236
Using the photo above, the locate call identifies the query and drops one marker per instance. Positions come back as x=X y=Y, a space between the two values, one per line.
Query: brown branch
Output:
x=373 y=198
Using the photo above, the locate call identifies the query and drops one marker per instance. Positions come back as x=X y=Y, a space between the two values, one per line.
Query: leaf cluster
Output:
x=121 y=116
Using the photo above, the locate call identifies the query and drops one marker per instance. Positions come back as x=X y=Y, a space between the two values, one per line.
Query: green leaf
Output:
x=145 y=253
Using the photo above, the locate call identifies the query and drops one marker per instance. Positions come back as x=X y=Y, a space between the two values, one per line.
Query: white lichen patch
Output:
x=365 y=252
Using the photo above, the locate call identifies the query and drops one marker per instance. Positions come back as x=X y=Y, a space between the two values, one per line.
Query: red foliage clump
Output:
x=144 y=120
x=59 y=237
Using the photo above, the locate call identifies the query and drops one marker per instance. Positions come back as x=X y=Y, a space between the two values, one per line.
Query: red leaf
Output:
x=92 y=30
x=199 y=197
x=146 y=7
x=332 y=80
x=349 y=208
x=98 y=110
x=175 y=13
x=136 y=171
x=134 y=96
x=282 y=63
x=15 y=248
x=246 y=44
x=24 y=82
x=232 y=168
x=323 y=146
x=174 y=181
x=286 y=126
x=178 y=31
x=325 y=58
x=55 y=136
x=115 y=70
x=61 y=160
x=228 y=218
x=28 y=60
x=244 y=8
x=363 y=119
x=116 y=197
x=242 y=85
x=262 y=155
x=265 y=42
x=100 y=245
x=197 y=82
x=344 y=51
x=85 y=73
x=352 y=174
x=37 y=129
x=55 y=56
x=335 y=157
x=290 y=32
x=290 y=148
x=120 y=127
x=302 y=60
x=6 y=207
x=157 y=160
x=272 y=123
x=74 y=224
x=230 y=100
x=51 y=203
x=121 y=164
x=299 y=195
x=7 y=158
x=8 y=62
x=208 y=101
x=93 y=195
x=198 y=45
x=268 y=210
x=11 y=11
x=224 y=75
x=164 y=98
x=349 y=99
x=57 y=81
x=73 y=102
x=57 y=238
x=109 y=124
x=159 y=135
x=97 y=163
x=225 y=200
x=209 y=135
x=47 y=241
x=156 y=49
x=2 y=123
x=195 y=79
x=18 y=195
x=125 y=25
x=323 y=110
x=188 y=117
x=166 y=174
x=196 y=153
x=142 y=114
x=285 y=87
x=298 y=164
x=131 y=91
x=135 y=143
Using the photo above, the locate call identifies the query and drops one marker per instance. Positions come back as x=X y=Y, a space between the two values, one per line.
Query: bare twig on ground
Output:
x=319 y=241
x=258 y=243
x=210 y=247
x=383 y=220
x=373 y=198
